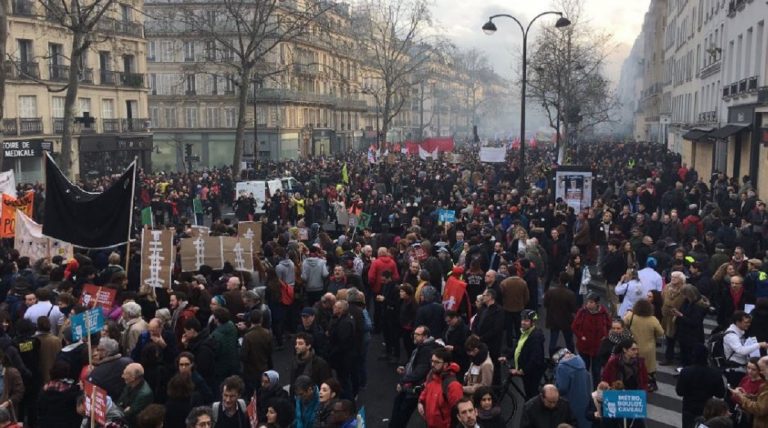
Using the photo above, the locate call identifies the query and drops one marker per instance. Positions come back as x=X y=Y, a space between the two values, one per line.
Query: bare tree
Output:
x=242 y=39
x=567 y=75
x=3 y=70
x=393 y=42
x=81 y=19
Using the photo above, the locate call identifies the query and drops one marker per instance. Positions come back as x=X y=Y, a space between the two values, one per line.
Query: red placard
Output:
x=95 y=402
x=94 y=295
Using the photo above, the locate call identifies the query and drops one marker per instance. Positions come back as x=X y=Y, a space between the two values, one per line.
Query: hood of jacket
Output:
x=457 y=271
x=313 y=261
x=575 y=363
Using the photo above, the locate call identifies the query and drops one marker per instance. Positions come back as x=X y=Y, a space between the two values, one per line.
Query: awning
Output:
x=696 y=134
x=728 y=130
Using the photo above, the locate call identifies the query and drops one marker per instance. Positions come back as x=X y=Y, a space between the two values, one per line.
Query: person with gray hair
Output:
x=133 y=326
x=137 y=394
x=199 y=417
x=108 y=366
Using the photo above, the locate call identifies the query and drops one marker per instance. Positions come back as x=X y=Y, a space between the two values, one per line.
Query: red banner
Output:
x=95 y=402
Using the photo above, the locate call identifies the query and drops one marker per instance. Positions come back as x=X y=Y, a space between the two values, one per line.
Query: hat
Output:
x=200 y=278
x=651 y=262
x=529 y=314
x=442 y=250
x=309 y=312
x=756 y=263
x=593 y=296
x=557 y=356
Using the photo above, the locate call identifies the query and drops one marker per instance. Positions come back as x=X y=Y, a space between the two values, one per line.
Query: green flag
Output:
x=146 y=217
x=364 y=221
x=197 y=206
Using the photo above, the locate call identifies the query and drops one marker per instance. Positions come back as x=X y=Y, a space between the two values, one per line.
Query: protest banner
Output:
x=8 y=183
x=30 y=241
x=250 y=230
x=493 y=154
x=10 y=205
x=157 y=257
x=96 y=296
x=238 y=252
x=95 y=403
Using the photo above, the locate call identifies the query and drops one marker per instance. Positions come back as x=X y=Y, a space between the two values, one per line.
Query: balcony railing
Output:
x=30 y=126
x=22 y=70
x=108 y=77
x=10 y=126
x=132 y=80
x=58 y=125
x=58 y=73
x=124 y=28
x=306 y=69
x=134 y=124
x=23 y=7
x=110 y=125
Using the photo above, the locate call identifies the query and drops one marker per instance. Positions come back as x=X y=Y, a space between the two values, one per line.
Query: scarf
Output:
x=617 y=338
x=736 y=296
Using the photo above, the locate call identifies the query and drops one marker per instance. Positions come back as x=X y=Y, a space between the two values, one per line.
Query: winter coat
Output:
x=561 y=305
x=135 y=399
x=632 y=292
x=537 y=415
x=50 y=346
x=313 y=271
x=590 y=329
x=306 y=412
x=673 y=300
x=256 y=353
x=108 y=372
x=437 y=403
x=13 y=387
x=227 y=358
x=431 y=315
x=575 y=384
x=612 y=372
x=697 y=384
x=56 y=405
x=758 y=408
x=514 y=294
x=480 y=372
x=378 y=266
x=690 y=326
x=313 y=366
x=489 y=326
x=205 y=349
x=645 y=330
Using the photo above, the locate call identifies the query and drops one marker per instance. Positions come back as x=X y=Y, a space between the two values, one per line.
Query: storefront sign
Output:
x=25 y=148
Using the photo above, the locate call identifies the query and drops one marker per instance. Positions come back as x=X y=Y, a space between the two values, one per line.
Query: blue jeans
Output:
x=554 y=335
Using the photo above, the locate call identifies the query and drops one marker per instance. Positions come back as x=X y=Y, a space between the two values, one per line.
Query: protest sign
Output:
x=196 y=231
x=199 y=251
x=157 y=257
x=8 y=183
x=250 y=230
x=96 y=296
x=447 y=216
x=82 y=326
x=629 y=404
x=95 y=402
x=364 y=221
x=493 y=154
x=238 y=252
x=30 y=241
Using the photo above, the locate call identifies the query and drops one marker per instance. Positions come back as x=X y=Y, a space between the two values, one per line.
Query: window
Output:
x=169 y=114
x=189 y=51
x=229 y=85
x=57 y=107
x=210 y=50
x=154 y=116
x=212 y=117
x=190 y=82
x=230 y=117
x=153 y=83
x=28 y=106
x=151 y=51
x=108 y=108
x=84 y=105
x=166 y=51
x=190 y=117
x=125 y=12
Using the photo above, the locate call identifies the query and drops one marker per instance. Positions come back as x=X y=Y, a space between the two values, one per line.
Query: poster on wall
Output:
x=574 y=185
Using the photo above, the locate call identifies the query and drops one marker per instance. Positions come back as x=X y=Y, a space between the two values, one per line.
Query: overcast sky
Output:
x=461 y=20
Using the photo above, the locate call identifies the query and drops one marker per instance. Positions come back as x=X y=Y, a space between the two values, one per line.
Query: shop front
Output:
x=25 y=158
x=111 y=154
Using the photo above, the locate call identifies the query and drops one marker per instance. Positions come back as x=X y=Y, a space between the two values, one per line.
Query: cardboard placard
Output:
x=196 y=252
x=95 y=402
x=250 y=230
x=96 y=296
x=82 y=326
x=157 y=257
x=238 y=252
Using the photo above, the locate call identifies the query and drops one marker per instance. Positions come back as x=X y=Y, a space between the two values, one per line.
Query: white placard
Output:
x=493 y=154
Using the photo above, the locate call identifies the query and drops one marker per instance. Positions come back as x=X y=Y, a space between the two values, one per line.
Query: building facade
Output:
x=112 y=95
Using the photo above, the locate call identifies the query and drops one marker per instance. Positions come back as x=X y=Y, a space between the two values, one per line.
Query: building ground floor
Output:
x=215 y=148
x=737 y=148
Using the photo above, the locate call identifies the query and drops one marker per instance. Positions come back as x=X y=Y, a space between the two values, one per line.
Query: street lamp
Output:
x=490 y=28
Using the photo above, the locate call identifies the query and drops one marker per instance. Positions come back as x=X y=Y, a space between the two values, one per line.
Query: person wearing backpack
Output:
x=231 y=410
x=441 y=392
x=735 y=351
x=756 y=281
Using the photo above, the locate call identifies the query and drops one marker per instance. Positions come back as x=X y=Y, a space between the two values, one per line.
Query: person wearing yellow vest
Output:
x=299 y=201
x=527 y=357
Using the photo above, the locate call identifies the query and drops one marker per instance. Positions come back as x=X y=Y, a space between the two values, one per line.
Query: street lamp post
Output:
x=490 y=28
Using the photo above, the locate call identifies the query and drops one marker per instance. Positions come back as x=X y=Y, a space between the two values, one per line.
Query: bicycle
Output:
x=509 y=390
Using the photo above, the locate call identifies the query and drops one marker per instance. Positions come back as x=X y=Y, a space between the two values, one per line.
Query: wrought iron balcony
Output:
x=25 y=70
x=10 y=126
x=110 y=125
x=30 y=125
x=86 y=75
x=58 y=125
x=132 y=80
x=123 y=28
x=58 y=73
x=134 y=124
x=108 y=78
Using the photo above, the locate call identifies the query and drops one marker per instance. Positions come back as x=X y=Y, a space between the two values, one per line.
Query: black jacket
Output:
x=697 y=384
x=431 y=315
x=419 y=364
x=57 y=408
x=489 y=326
x=531 y=359
x=536 y=415
x=690 y=327
x=343 y=346
x=204 y=347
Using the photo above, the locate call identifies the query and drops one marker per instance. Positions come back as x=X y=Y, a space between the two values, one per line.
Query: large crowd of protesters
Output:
x=453 y=307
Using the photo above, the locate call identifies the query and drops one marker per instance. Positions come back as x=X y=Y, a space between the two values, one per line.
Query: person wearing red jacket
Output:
x=441 y=391
x=590 y=326
x=626 y=366
x=455 y=297
x=383 y=262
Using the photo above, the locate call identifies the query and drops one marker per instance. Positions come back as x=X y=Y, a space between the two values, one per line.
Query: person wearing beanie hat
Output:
x=430 y=312
x=527 y=358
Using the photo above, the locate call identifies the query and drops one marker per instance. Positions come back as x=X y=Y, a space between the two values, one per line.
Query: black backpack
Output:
x=716 y=351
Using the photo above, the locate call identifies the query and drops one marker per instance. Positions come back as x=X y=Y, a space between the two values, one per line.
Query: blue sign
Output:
x=446 y=216
x=619 y=404
x=82 y=326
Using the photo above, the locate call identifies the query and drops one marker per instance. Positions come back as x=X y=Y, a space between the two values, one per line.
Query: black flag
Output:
x=85 y=219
